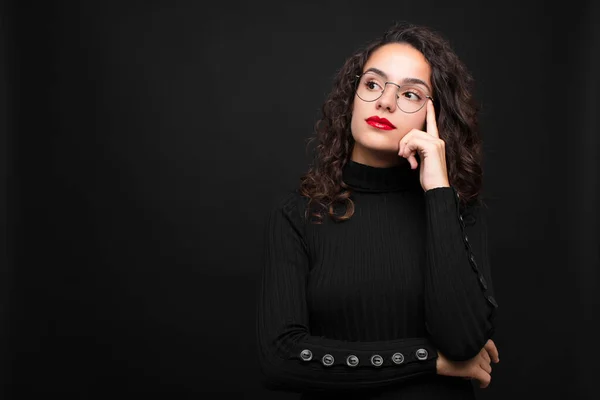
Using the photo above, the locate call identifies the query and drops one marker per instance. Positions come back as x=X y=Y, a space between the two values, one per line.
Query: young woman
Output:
x=376 y=278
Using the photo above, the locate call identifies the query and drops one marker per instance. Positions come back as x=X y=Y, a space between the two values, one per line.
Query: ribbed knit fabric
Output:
x=361 y=308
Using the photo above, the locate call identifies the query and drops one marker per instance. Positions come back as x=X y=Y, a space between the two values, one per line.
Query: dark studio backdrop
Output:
x=144 y=143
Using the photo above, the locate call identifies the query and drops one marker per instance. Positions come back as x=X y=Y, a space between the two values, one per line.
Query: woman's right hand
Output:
x=477 y=367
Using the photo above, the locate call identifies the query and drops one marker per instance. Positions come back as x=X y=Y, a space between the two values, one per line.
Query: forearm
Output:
x=459 y=304
x=311 y=363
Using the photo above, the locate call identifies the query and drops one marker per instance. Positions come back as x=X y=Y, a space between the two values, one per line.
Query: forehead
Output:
x=399 y=61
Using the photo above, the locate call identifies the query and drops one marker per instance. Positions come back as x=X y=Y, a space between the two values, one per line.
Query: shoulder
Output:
x=290 y=204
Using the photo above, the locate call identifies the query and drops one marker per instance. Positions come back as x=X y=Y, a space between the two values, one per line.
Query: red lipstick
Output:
x=380 y=123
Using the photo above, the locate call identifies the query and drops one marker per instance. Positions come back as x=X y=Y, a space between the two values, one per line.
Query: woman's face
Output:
x=375 y=146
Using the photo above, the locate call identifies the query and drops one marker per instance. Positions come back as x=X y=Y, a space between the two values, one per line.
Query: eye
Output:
x=372 y=85
x=412 y=95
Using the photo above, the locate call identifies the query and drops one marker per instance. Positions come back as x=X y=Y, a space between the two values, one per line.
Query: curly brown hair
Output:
x=456 y=120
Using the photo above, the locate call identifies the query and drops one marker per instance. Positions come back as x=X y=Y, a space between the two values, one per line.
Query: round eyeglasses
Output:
x=410 y=97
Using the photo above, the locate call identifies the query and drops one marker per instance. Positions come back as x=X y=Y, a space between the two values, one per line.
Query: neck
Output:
x=366 y=178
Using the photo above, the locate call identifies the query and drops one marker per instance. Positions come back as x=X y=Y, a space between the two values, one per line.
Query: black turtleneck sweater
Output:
x=360 y=308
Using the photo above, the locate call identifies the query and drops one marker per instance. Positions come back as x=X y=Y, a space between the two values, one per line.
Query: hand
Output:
x=477 y=367
x=431 y=150
x=492 y=351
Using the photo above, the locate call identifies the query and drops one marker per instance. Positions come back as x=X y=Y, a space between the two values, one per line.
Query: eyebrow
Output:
x=405 y=80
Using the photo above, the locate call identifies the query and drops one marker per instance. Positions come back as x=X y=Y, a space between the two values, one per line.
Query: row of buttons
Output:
x=353 y=361
x=482 y=280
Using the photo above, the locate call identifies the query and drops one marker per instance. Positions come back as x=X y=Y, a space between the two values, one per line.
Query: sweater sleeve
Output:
x=459 y=298
x=293 y=359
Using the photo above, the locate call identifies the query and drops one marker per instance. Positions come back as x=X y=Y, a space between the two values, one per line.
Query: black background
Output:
x=145 y=142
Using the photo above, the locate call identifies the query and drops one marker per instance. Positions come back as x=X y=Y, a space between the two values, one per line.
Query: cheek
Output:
x=420 y=121
x=353 y=125
x=356 y=118
x=414 y=121
x=355 y=110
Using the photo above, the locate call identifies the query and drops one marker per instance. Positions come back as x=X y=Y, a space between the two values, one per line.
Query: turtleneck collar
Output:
x=365 y=178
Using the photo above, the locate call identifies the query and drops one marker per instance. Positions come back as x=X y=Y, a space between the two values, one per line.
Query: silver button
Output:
x=422 y=354
x=352 y=360
x=398 y=358
x=327 y=360
x=306 y=355
x=376 y=360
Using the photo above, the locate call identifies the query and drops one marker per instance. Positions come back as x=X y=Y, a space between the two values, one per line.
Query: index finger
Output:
x=431 y=124
x=491 y=348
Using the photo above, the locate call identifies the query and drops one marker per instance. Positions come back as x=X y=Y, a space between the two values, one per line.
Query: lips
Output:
x=380 y=123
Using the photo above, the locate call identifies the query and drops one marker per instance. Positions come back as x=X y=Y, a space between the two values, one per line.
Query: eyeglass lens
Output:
x=410 y=98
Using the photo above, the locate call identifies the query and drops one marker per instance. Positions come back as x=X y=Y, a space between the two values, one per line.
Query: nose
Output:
x=387 y=99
